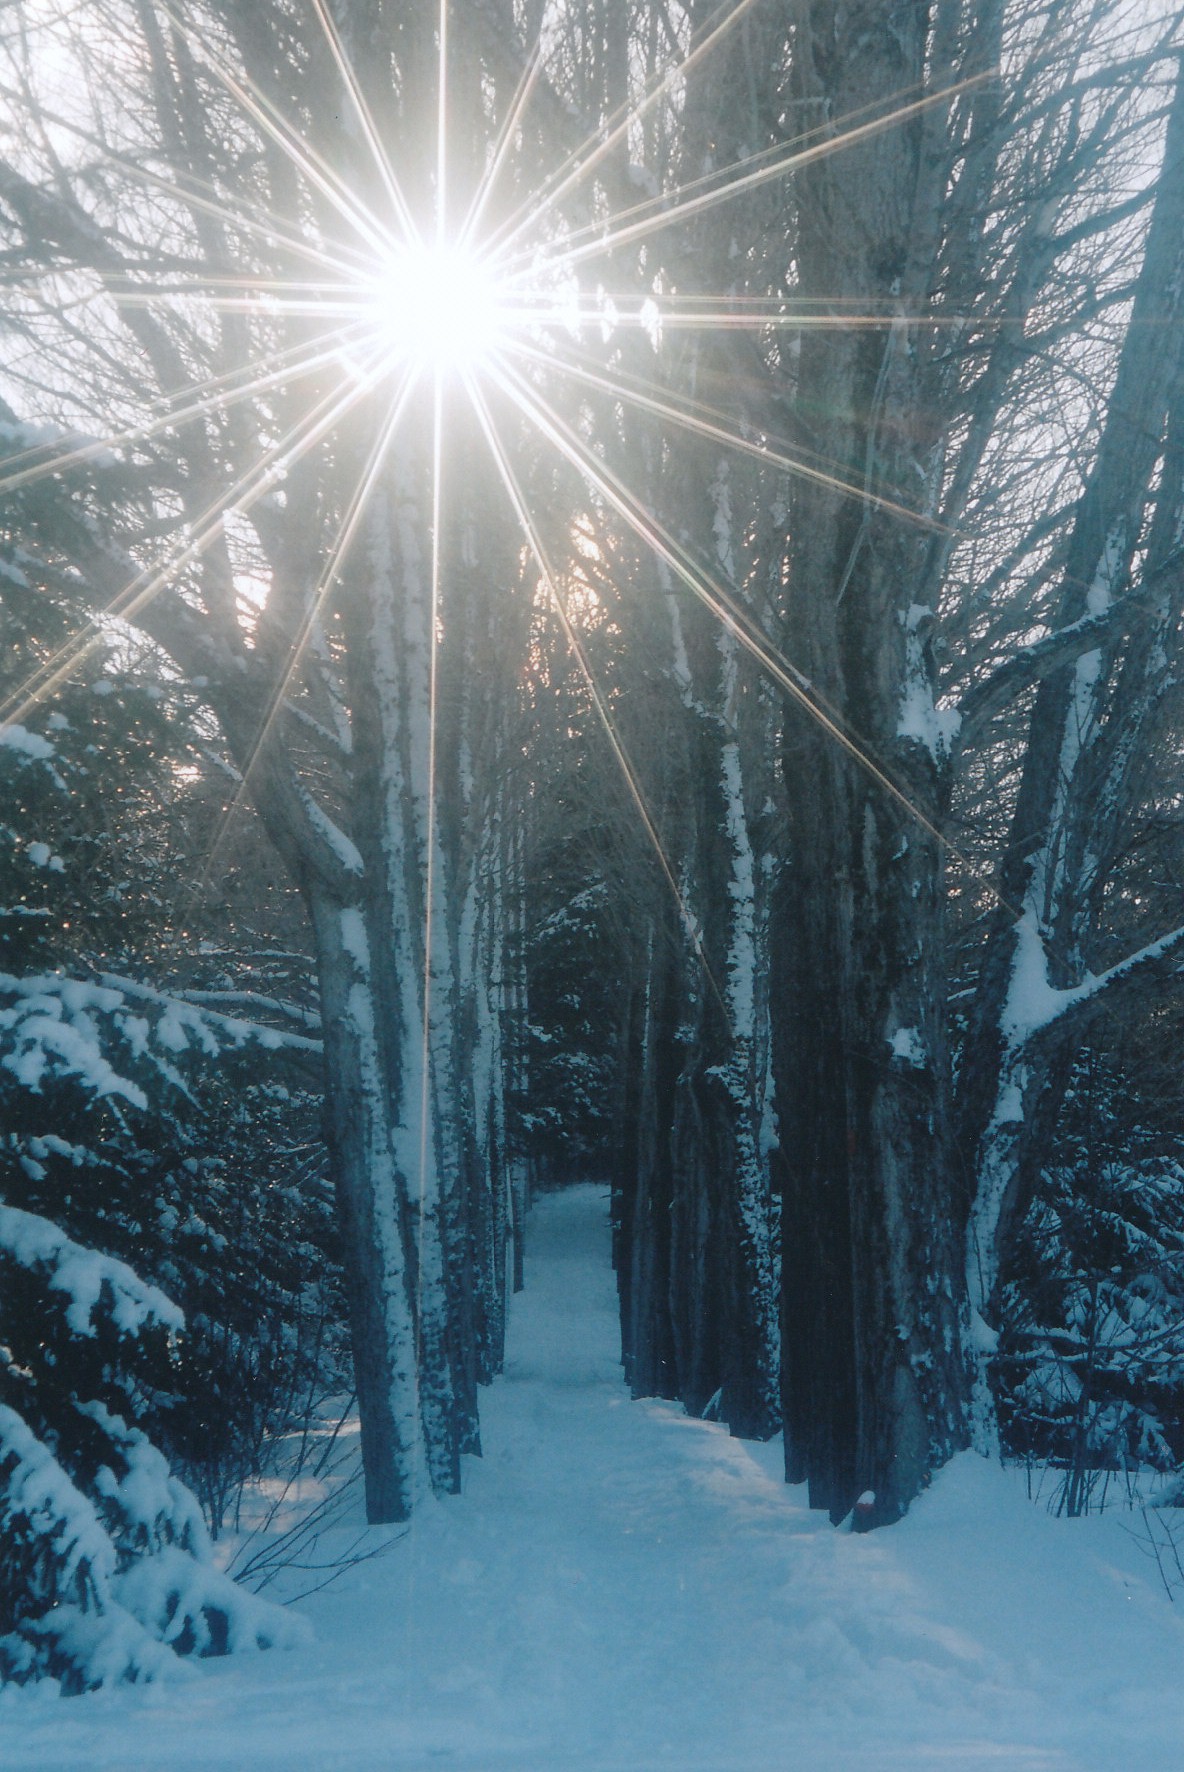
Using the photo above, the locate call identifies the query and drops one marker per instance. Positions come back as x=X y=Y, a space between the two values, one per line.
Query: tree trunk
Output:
x=702 y=1286
x=874 y=1385
x=373 y=1211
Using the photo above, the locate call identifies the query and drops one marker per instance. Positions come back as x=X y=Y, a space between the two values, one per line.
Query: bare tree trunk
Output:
x=372 y=1211
x=703 y=1319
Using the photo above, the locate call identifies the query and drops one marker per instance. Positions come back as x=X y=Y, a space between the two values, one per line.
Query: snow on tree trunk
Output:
x=874 y=1383
x=372 y=1212
x=746 y=1074
x=697 y=1232
x=697 y=1229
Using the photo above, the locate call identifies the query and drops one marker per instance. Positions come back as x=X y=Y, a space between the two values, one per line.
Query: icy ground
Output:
x=621 y=1588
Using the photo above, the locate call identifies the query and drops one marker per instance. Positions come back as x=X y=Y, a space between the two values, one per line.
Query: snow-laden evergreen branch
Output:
x=188 y=1015
x=92 y=1282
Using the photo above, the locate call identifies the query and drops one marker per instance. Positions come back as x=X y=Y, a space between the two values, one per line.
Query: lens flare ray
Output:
x=380 y=156
x=412 y=300
x=133 y=598
x=503 y=146
x=584 y=159
x=730 y=614
x=678 y=212
x=718 y=176
x=603 y=712
x=311 y=164
x=715 y=430
x=313 y=615
x=201 y=195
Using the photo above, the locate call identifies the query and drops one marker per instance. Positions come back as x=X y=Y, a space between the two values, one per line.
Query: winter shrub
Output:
x=163 y=1132
x=145 y=1157
x=1090 y=1370
x=105 y=1565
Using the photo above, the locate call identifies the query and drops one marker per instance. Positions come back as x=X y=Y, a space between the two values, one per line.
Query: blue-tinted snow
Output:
x=622 y=1588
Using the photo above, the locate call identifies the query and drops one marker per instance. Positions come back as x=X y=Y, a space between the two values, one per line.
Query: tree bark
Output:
x=874 y=1385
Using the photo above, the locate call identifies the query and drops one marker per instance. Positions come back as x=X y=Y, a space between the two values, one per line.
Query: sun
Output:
x=439 y=307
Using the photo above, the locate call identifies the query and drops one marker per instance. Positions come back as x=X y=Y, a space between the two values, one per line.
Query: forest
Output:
x=591 y=591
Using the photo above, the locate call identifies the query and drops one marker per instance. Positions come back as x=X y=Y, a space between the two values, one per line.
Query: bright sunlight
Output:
x=439 y=308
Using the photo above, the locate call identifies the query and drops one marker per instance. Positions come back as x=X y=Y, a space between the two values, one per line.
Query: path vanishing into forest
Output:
x=621 y=1587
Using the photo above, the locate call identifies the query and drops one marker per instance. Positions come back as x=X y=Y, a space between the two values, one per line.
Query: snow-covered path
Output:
x=621 y=1587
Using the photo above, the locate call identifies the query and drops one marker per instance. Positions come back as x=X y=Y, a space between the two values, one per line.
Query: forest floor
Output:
x=621 y=1588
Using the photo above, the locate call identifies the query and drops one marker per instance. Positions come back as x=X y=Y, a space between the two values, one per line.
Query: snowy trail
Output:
x=622 y=1588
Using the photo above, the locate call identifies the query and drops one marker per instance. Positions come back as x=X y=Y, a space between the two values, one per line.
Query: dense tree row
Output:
x=902 y=892
x=722 y=748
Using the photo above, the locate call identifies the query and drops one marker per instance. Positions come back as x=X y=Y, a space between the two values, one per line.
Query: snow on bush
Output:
x=58 y=1616
x=83 y=1276
x=1090 y=1366
x=196 y=1189
x=106 y=1570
